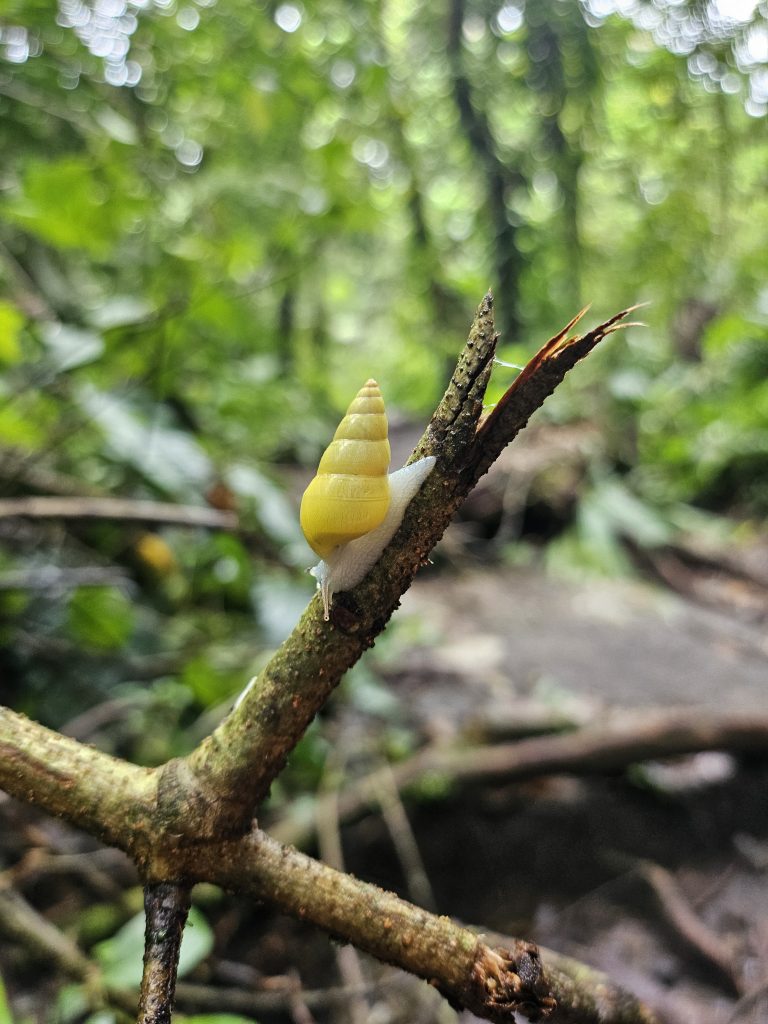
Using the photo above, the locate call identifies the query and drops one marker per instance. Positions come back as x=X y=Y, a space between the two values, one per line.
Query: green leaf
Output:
x=630 y=515
x=5 y=1011
x=11 y=323
x=120 y=957
x=19 y=430
x=207 y=681
x=171 y=458
x=101 y=617
x=67 y=203
x=71 y=1004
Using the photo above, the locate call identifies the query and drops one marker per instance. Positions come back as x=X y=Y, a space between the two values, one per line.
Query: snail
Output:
x=353 y=506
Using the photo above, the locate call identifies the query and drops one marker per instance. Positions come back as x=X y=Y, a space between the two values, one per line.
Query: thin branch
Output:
x=166 y=905
x=492 y=982
x=123 y=509
x=195 y=997
x=235 y=766
x=403 y=838
x=690 y=929
x=331 y=850
x=231 y=771
x=42 y=940
x=53 y=579
x=535 y=384
x=605 y=747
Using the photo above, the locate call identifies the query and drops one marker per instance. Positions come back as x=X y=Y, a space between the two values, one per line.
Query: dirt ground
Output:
x=516 y=633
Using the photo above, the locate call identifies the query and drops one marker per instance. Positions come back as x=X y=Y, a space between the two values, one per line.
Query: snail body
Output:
x=353 y=506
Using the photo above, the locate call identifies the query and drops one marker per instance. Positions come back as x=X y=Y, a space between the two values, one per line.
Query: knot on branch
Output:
x=506 y=982
x=191 y=810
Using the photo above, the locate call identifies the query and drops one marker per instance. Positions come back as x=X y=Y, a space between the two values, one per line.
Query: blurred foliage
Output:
x=216 y=219
x=6 y=1016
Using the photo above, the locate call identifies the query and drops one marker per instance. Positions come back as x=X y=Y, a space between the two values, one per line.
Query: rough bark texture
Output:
x=166 y=906
x=109 y=798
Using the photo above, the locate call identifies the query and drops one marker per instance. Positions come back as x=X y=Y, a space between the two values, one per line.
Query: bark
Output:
x=166 y=906
x=107 y=797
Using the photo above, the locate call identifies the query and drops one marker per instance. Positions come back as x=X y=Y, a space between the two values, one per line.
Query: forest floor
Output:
x=657 y=875
x=654 y=872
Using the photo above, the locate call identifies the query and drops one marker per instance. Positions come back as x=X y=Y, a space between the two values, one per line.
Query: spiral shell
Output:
x=352 y=509
x=350 y=494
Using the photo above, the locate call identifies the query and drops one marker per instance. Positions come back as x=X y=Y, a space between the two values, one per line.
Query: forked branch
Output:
x=232 y=770
x=191 y=819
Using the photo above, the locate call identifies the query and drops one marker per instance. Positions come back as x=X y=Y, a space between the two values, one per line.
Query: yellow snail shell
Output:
x=352 y=508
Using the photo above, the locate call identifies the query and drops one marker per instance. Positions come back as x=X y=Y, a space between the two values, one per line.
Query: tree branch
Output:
x=166 y=905
x=190 y=819
x=494 y=982
x=229 y=774
x=125 y=509
x=107 y=797
x=608 y=746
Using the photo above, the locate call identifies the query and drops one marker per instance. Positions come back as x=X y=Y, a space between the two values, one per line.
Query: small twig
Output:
x=404 y=840
x=118 y=508
x=535 y=383
x=83 y=726
x=54 y=579
x=20 y=921
x=748 y=1002
x=298 y=1005
x=90 y=868
x=166 y=905
x=329 y=841
x=689 y=927
x=194 y=997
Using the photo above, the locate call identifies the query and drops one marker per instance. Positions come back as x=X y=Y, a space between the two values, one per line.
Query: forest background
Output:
x=217 y=220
